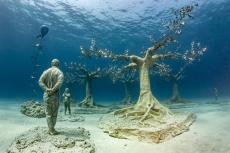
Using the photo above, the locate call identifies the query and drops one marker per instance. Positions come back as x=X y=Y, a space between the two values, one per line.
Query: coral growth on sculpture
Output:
x=38 y=140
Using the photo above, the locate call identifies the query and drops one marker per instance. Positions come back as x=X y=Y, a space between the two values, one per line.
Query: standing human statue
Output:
x=66 y=98
x=51 y=81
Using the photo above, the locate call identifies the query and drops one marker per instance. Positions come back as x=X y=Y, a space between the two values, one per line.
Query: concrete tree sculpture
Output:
x=127 y=77
x=189 y=57
x=147 y=105
x=79 y=73
x=70 y=77
x=148 y=111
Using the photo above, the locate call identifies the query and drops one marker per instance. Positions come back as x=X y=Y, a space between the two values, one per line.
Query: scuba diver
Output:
x=43 y=32
x=35 y=57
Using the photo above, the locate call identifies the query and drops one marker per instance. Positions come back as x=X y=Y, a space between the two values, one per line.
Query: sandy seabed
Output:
x=209 y=134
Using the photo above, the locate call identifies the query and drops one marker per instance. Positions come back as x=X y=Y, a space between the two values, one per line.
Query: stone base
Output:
x=156 y=132
x=38 y=140
x=70 y=118
x=178 y=101
x=33 y=109
x=91 y=110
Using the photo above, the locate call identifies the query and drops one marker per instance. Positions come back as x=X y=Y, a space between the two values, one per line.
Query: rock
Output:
x=33 y=109
x=38 y=140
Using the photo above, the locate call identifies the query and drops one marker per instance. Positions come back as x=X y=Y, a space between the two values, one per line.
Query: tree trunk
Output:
x=88 y=101
x=146 y=98
x=147 y=106
x=127 y=98
x=176 y=98
x=176 y=95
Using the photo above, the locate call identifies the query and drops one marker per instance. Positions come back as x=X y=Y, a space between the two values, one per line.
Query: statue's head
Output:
x=55 y=62
x=66 y=89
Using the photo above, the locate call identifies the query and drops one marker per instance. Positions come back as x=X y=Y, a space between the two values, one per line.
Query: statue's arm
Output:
x=67 y=94
x=59 y=82
x=42 y=80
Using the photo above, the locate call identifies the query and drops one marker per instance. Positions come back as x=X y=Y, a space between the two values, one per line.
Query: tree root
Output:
x=143 y=114
x=155 y=136
x=178 y=99
x=87 y=102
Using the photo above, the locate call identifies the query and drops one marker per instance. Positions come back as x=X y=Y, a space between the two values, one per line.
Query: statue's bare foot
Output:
x=53 y=132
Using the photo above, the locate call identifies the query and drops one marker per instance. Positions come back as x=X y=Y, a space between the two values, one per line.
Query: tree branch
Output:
x=103 y=53
x=168 y=55
x=131 y=65
x=165 y=40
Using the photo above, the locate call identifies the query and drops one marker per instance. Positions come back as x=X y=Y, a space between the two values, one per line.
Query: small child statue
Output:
x=67 y=97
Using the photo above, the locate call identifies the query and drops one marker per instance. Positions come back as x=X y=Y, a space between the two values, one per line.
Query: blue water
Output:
x=116 y=25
